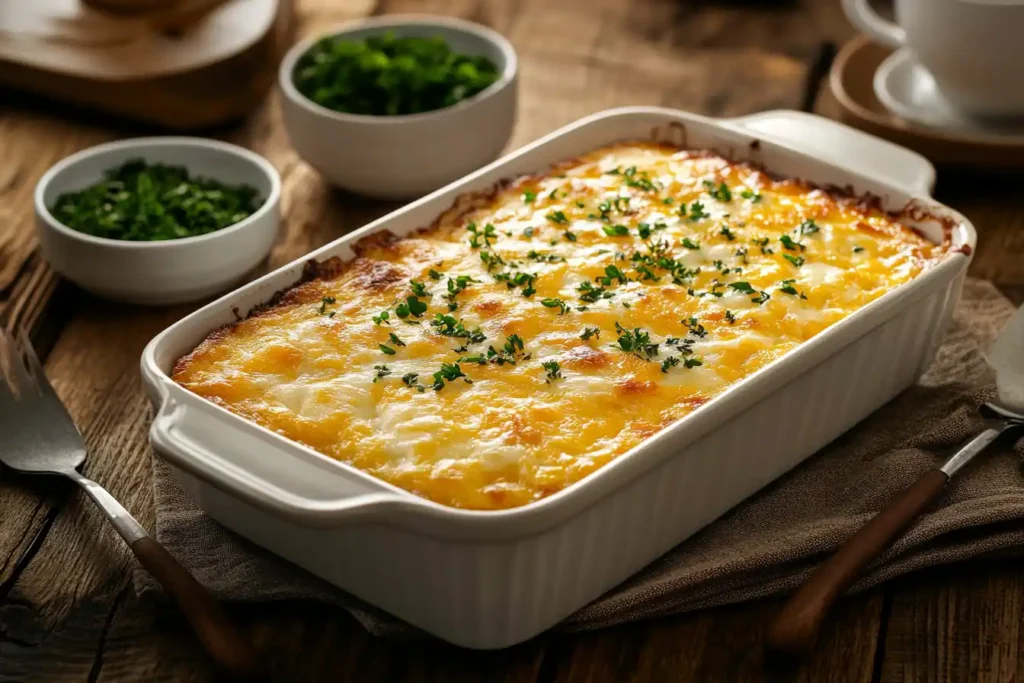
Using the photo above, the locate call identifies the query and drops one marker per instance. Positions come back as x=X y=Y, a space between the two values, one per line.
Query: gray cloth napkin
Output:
x=766 y=545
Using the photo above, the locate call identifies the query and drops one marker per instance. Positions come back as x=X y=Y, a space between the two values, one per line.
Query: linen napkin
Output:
x=766 y=545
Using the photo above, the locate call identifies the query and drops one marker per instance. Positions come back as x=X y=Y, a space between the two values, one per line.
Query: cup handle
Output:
x=861 y=15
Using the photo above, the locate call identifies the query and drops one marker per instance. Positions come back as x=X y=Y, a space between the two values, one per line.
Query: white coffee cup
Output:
x=974 y=49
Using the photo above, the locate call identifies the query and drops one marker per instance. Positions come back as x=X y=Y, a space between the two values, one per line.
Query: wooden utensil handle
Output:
x=795 y=628
x=218 y=635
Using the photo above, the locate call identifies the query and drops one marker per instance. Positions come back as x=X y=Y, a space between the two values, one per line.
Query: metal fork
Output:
x=38 y=436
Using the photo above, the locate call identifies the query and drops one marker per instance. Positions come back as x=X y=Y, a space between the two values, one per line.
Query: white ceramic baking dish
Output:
x=492 y=579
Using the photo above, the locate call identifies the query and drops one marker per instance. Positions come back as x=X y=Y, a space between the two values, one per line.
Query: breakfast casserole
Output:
x=536 y=332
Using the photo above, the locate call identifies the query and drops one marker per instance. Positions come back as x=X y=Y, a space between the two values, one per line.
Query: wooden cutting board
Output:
x=180 y=64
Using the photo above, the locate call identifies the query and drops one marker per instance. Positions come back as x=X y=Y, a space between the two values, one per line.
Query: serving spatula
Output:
x=795 y=629
x=38 y=436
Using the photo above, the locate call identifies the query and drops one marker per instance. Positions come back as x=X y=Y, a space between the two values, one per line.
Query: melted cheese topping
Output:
x=641 y=281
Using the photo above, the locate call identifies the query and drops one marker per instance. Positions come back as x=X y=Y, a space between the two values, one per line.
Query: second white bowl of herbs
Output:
x=397 y=106
x=160 y=220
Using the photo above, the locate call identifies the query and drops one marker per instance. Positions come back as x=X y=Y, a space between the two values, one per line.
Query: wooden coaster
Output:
x=851 y=83
x=182 y=64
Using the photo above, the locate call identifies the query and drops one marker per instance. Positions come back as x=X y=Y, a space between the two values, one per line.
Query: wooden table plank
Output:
x=960 y=623
x=717 y=645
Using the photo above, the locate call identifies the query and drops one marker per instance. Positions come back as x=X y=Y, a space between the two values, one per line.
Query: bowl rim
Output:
x=508 y=73
x=270 y=202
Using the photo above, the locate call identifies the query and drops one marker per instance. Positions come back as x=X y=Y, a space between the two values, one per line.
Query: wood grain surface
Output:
x=67 y=609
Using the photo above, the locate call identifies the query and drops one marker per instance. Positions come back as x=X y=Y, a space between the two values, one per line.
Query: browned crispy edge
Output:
x=464 y=204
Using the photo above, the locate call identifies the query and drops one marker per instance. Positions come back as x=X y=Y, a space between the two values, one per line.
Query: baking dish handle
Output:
x=237 y=460
x=844 y=146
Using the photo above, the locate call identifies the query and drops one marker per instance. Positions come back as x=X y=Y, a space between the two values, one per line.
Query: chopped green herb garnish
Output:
x=644 y=229
x=410 y=380
x=788 y=243
x=511 y=352
x=544 y=258
x=615 y=230
x=553 y=369
x=647 y=273
x=557 y=217
x=569 y=236
x=720 y=192
x=419 y=289
x=742 y=287
x=697 y=212
x=612 y=273
x=529 y=197
x=690 y=244
x=637 y=342
x=695 y=328
x=562 y=307
x=142 y=202
x=411 y=305
x=692 y=362
x=857 y=250
x=590 y=294
x=763 y=243
x=451 y=327
x=727 y=233
x=386 y=349
x=389 y=75
x=808 y=227
x=669 y=362
x=795 y=260
x=449 y=372
x=395 y=340
x=380 y=372
x=491 y=260
x=788 y=288
x=485 y=235
x=730 y=316
x=639 y=179
x=589 y=332
x=382 y=318
x=324 y=303
x=754 y=197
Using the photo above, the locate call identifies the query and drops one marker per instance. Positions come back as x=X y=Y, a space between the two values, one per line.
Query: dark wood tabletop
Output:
x=68 y=611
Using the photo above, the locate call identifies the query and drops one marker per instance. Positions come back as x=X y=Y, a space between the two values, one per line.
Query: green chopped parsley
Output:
x=554 y=370
x=720 y=192
x=562 y=307
x=389 y=75
x=324 y=303
x=142 y=202
x=557 y=217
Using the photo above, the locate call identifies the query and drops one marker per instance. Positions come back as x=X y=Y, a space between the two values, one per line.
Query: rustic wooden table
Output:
x=67 y=608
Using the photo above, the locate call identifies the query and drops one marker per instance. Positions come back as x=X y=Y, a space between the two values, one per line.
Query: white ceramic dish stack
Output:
x=492 y=579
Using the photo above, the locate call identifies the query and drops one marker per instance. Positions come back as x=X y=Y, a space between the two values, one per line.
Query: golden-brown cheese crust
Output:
x=648 y=282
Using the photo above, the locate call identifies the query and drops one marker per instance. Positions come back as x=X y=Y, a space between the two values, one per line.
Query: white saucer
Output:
x=906 y=89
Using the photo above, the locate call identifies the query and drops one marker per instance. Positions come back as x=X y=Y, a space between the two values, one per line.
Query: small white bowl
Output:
x=166 y=271
x=402 y=157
